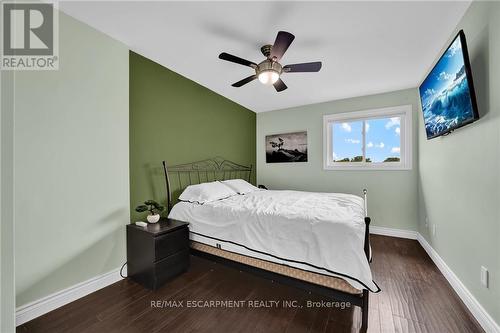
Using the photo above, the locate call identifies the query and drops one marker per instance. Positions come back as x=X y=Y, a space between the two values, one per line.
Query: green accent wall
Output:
x=392 y=195
x=459 y=185
x=175 y=119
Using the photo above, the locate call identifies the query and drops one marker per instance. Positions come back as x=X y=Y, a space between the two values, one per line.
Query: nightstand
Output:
x=157 y=252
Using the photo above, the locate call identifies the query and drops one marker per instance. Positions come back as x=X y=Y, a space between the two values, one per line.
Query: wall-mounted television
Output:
x=447 y=93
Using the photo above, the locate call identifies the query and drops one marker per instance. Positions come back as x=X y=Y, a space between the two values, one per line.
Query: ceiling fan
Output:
x=269 y=71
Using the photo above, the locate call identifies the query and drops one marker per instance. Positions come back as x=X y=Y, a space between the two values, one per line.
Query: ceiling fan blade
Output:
x=235 y=59
x=281 y=44
x=304 y=67
x=279 y=85
x=244 y=81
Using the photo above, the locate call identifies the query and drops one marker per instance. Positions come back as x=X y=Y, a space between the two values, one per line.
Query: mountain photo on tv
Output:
x=287 y=147
x=447 y=94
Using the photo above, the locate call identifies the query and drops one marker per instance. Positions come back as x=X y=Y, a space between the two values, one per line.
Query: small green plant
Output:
x=150 y=205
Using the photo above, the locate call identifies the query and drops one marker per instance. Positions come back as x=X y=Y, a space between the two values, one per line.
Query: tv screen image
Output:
x=447 y=94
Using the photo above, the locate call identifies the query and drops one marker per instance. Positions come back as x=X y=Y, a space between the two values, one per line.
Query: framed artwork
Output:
x=286 y=147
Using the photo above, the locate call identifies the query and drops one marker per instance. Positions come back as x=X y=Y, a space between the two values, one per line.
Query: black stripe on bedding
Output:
x=292 y=261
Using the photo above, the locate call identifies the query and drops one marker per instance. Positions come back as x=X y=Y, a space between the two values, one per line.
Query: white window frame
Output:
x=402 y=111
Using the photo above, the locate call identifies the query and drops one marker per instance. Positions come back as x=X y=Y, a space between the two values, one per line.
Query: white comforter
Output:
x=319 y=232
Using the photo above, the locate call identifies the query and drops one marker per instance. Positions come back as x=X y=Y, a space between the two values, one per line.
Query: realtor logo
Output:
x=30 y=36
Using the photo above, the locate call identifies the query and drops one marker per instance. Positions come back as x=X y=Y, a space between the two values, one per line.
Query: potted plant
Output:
x=154 y=209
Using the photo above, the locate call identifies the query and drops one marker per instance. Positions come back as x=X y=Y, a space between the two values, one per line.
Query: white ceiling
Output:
x=365 y=47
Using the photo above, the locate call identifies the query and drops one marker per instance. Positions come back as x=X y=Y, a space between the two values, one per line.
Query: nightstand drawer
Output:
x=171 y=266
x=171 y=243
x=157 y=252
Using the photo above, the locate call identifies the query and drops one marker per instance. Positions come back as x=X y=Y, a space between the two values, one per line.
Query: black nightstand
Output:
x=157 y=252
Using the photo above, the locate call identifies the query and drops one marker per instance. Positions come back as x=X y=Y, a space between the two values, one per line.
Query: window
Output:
x=371 y=139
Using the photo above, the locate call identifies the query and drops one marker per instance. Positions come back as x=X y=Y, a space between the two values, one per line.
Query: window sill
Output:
x=367 y=168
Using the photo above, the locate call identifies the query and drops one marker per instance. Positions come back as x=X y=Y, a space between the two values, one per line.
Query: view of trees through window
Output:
x=381 y=143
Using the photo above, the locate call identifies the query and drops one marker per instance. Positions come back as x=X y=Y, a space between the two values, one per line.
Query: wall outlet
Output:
x=484 y=276
x=427 y=221
x=433 y=230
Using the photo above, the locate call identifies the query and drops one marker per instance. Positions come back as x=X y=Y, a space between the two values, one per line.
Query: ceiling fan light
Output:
x=268 y=77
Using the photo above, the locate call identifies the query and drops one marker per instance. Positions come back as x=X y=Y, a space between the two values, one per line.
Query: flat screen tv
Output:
x=447 y=93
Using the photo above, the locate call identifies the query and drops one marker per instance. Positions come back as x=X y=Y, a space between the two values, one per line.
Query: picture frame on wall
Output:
x=286 y=147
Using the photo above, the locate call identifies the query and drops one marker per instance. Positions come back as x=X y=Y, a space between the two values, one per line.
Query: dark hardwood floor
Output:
x=415 y=297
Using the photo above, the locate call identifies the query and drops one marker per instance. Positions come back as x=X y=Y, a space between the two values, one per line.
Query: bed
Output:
x=315 y=241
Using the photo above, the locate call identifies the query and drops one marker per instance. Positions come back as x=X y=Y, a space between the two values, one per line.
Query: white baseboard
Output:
x=51 y=302
x=400 y=233
x=477 y=310
x=37 y=308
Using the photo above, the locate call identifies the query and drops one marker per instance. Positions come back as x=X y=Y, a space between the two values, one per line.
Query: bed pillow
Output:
x=240 y=186
x=206 y=192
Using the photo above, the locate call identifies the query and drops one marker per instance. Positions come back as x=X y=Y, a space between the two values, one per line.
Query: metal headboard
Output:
x=207 y=170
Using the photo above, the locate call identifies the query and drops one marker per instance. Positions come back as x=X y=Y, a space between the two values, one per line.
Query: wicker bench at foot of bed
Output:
x=296 y=273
